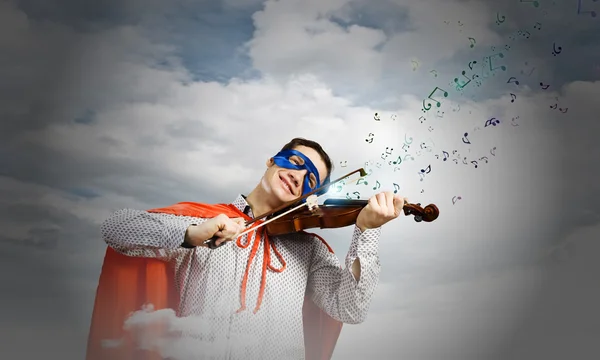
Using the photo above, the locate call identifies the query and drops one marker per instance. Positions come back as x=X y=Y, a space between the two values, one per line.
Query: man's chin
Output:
x=285 y=196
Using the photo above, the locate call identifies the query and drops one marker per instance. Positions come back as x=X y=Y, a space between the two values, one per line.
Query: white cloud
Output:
x=198 y=337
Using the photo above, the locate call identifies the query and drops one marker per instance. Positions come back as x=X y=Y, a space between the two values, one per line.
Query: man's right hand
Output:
x=225 y=228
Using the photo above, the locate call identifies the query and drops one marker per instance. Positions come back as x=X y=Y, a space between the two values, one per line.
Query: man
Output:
x=253 y=292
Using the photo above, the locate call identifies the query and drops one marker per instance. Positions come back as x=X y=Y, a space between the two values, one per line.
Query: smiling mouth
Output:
x=286 y=186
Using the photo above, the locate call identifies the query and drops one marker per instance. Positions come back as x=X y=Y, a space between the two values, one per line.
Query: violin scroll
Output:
x=427 y=214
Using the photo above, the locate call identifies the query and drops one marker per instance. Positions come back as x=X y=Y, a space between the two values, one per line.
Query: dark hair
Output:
x=313 y=145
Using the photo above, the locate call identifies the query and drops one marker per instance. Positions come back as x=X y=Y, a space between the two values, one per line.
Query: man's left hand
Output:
x=381 y=208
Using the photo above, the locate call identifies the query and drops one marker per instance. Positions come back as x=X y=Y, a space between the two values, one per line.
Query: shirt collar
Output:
x=241 y=203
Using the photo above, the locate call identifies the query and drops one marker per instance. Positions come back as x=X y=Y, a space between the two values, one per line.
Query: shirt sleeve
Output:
x=143 y=234
x=334 y=289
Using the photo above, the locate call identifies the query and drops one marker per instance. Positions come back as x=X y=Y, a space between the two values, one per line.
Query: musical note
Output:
x=497 y=67
x=430 y=129
x=498 y=20
x=471 y=63
x=438 y=114
x=493 y=151
x=405 y=146
x=376 y=117
x=463 y=84
x=579 y=12
x=415 y=65
x=445 y=155
x=344 y=163
x=371 y=138
x=409 y=140
x=385 y=155
x=438 y=104
x=513 y=79
x=396 y=188
x=472 y=42
x=556 y=51
x=465 y=140
x=363 y=180
x=492 y=121
x=533 y=68
x=513 y=97
x=535 y=3
x=513 y=121
x=408 y=156
x=377 y=185
x=537 y=26
x=455 y=199
x=422 y=118
x=356 y=193
x=561 y=110
x=397 y=161
x=427 y=170
x=526 y=34
x=474 y=163
x=484 y=157
x=465 y=160
x=339 y=186
x=544 y=86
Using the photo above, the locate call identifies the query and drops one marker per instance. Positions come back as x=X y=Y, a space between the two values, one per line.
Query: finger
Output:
x=398 y=205
x=399 y=201
x=381 y=201
x=373 y=202
x=240 y=221
x=389 y=202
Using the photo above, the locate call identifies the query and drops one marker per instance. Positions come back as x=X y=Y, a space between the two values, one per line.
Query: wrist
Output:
x=187 y=241
x=361 y=227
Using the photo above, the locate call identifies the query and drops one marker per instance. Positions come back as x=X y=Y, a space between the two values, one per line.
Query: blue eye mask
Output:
x=282 y=159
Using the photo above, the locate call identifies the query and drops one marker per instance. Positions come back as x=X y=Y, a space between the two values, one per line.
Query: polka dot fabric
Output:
x=209 y=282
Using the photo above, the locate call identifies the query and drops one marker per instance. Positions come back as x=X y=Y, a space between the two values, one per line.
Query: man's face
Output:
x=287 y=184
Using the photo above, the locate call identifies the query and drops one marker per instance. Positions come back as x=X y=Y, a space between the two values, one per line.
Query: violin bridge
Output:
x=312 y=202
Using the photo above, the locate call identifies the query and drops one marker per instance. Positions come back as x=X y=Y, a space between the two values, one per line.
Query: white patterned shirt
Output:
x=208 y=282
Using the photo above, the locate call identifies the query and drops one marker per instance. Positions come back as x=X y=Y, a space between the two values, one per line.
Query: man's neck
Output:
x=256 y=200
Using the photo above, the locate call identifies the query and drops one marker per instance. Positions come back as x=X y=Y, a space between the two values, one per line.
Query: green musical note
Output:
x=438 y=104
x=464 y=84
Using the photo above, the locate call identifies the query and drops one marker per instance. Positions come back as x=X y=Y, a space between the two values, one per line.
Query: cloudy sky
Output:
x=142 y=104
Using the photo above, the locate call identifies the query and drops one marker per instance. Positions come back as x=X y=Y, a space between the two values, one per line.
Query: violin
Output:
x=305 y=213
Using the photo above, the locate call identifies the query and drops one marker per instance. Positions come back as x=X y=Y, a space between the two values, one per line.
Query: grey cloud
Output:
x=57 y=263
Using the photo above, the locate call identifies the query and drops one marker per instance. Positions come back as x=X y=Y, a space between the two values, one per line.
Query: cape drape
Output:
x=127 y=283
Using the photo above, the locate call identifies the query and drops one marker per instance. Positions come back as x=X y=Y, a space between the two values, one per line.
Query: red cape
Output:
x=127 y=283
